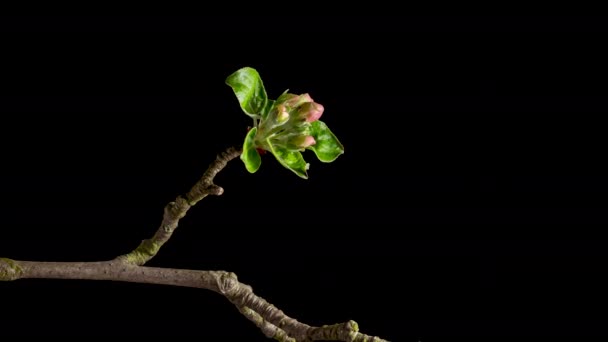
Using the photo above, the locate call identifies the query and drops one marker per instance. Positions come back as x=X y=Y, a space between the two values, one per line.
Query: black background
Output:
x=470 y=202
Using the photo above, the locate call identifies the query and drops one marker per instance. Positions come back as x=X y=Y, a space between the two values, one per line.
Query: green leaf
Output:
x=249 y=90
x=250 y=155
x=292 y=160
x=268 y=108
x=327 y=146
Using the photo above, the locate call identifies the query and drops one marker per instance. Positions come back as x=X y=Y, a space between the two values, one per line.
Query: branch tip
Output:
x=215 y=190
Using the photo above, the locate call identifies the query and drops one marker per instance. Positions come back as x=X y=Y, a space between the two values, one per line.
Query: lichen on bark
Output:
x=10 y=270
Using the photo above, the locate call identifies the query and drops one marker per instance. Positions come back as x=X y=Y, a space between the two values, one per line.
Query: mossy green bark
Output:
x=9 y=270
x=144 y=252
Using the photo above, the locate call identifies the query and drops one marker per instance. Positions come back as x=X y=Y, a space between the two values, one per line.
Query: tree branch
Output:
x=177 y=209
x=129 y=268
x=272 y=321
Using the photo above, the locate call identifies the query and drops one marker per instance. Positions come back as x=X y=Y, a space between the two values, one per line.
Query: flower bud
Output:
x=310 y=111
x=293 y=100
x=303 y=141
x=282 y=114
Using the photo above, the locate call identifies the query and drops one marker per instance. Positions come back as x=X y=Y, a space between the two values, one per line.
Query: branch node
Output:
x=178 y=208
x=227 y=283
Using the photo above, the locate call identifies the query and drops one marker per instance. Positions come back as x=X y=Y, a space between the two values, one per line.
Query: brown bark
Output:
x=129 y=268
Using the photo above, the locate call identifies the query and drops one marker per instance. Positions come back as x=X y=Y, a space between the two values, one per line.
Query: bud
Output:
x=303 y=141
x=310 y=111
x=282 y=114
x=293 y=100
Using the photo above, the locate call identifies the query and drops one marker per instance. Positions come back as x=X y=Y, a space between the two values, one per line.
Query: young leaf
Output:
x=249 y=90
x=267 y=108
x=292 y=160
x=250 y=155
x=327 y=146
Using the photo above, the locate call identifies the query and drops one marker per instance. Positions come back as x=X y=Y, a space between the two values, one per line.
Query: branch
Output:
x=177 y=209
x=272 y=321
x=129 y=268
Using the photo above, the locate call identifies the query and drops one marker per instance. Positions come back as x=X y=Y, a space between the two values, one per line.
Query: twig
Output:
x=129 y=268
x=177 y=209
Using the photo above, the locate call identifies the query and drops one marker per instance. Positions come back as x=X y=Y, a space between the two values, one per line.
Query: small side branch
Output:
x=177 y=209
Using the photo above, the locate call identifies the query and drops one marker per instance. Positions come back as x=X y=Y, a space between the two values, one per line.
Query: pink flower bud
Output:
x=310 y=111
x=304 y=141
x=282 y=114
x=293 y=100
